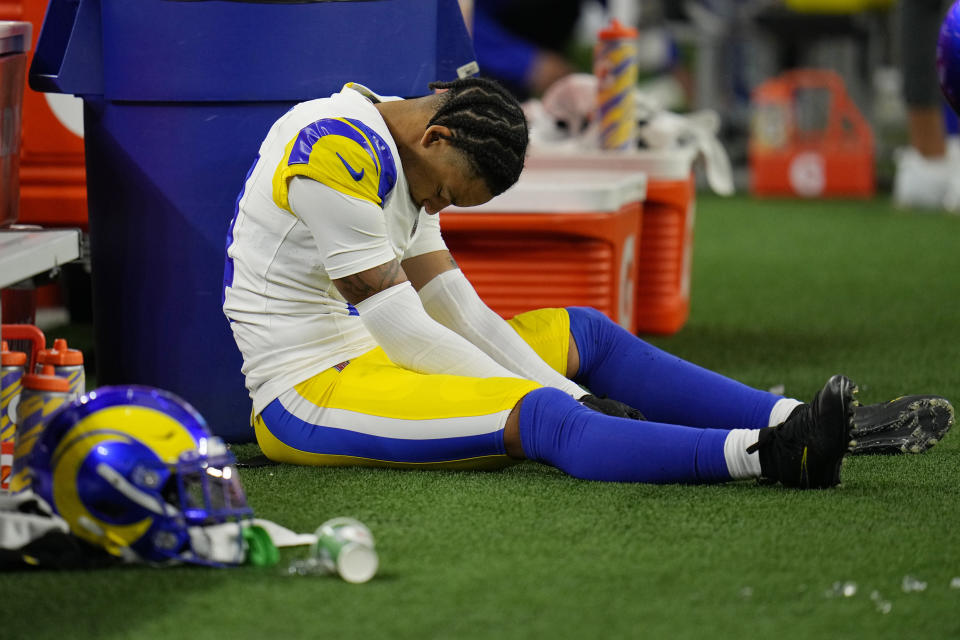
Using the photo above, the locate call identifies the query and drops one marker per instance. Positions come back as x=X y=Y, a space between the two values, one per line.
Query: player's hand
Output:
x=611 y=407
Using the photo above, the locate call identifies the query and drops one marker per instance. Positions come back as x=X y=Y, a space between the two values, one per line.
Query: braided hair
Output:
x=488 y=126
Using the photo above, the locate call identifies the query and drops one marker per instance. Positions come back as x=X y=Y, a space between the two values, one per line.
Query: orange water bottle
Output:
x=12 y=365
x=67 y=363
x=615 y=66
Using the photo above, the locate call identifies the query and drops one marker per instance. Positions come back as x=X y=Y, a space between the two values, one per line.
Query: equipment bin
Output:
x=557 y=238
x=661 y=294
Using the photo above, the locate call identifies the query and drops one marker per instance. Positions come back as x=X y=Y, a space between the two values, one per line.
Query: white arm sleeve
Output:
x=427 y=238
x=349 y=232
x=412 y=339
x=453 y=302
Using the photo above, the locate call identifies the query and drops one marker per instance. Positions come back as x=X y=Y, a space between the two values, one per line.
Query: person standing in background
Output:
x=522 y=43
x=928 y=171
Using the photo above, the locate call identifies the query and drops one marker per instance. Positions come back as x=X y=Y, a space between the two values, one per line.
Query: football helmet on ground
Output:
x=136 y=471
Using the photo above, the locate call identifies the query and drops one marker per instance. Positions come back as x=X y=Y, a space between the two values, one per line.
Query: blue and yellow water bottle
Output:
x=615 y=65
x=12 y=364
x=67 y=363
x=43 y=394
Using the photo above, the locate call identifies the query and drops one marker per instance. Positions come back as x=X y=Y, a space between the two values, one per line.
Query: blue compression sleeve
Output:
x=557 y=430
x=500 y=53
x=665 y=388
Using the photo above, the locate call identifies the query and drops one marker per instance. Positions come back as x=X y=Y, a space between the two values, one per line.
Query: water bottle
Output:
x=615 y=65
x=67 y=363
x=42 y=395
x=12 y=365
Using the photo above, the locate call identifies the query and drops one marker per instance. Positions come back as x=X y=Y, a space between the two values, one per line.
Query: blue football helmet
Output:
x=135 y=470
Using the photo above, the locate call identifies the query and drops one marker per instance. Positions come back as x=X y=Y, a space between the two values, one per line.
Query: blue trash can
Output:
x=177 y=98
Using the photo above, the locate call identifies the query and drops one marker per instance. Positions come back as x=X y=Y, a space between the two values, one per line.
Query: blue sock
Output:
x=665 y=388
x=557 y=430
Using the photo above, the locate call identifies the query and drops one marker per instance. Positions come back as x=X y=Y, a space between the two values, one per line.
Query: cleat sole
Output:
x=911 y=424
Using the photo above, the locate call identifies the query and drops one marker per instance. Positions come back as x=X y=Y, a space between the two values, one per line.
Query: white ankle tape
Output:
x=782 y=410
x=741 y=464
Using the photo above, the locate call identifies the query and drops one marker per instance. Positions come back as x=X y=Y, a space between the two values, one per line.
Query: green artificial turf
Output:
x=784 y=292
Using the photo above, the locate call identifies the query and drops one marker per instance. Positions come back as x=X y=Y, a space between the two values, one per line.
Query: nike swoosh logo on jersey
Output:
x=356 y=175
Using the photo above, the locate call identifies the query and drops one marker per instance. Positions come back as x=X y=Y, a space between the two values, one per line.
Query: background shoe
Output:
x=911 y=424
x=921 y=182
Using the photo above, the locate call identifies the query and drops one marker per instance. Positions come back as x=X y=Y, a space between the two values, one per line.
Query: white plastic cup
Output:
x=346 y=547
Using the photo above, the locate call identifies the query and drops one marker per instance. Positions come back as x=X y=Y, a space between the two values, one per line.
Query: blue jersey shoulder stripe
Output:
x=388 y=168
x=355 y=130
x=308 y=136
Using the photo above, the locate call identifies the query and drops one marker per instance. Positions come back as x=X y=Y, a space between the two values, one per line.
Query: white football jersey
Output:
x=287 y=317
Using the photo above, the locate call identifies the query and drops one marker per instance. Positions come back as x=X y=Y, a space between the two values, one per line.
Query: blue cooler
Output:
x=177 y=98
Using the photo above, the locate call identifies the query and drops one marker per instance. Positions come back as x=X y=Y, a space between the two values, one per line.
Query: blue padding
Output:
x=228 y=261
x=311 y=438
x=163 y=51
x=158 y=225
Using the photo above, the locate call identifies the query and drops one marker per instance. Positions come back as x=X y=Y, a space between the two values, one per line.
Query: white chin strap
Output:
x=224 y=544
x=283 y=537
x=219 y=543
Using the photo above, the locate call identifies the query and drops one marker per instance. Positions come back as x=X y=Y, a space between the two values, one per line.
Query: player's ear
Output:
x=435 y=133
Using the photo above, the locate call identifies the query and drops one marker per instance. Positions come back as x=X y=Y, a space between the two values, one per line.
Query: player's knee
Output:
x=595 y=336
x=512 y=441
x=588 y=315
x=551 y=428
x=591 y=328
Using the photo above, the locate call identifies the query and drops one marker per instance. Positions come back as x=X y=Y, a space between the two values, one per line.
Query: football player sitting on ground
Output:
x=364 y=344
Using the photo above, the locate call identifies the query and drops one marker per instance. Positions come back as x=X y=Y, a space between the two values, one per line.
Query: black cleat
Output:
x=911 y=424
x=806 y=450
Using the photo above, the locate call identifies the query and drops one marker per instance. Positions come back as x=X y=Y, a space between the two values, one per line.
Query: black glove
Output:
x=610 y=407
